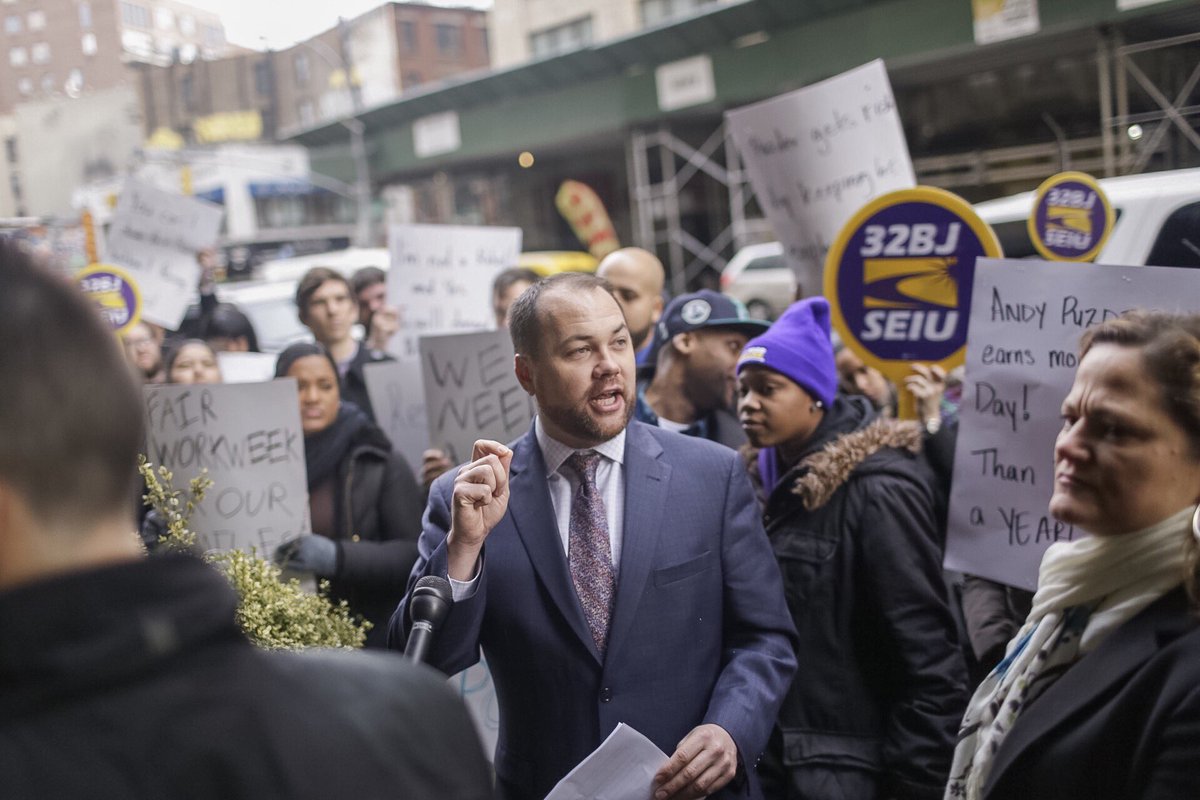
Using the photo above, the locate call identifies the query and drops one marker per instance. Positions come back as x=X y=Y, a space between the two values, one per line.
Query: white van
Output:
x=1157 y=220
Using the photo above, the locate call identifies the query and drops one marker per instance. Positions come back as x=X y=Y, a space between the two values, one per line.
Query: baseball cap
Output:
x=704 y=309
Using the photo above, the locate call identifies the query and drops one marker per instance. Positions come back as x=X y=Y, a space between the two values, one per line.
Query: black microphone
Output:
x=428 y=606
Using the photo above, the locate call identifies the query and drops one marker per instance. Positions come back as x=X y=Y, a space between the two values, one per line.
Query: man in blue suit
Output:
x=626 y=576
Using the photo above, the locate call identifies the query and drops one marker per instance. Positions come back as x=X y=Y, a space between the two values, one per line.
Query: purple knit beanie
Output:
x=798 y=346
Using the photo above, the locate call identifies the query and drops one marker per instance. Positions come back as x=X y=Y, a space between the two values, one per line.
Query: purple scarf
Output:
x=768 y=469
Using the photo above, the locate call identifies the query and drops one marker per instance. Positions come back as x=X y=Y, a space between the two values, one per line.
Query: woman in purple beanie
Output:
x=850 y=511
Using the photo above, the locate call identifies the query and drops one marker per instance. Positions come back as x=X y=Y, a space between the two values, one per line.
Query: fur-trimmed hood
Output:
x=818 y=475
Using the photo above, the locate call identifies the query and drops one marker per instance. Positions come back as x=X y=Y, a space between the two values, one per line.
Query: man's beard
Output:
x=579 y=423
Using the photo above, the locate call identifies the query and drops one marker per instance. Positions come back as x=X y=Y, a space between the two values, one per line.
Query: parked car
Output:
x=759 y=276
x=1157 y=220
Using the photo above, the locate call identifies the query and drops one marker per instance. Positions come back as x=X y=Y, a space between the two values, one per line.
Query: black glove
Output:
x=316 y=554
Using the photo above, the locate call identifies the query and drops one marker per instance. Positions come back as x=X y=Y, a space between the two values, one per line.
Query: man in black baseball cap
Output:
x=695 y=349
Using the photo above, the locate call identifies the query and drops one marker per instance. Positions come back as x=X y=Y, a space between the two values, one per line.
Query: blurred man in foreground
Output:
x=127 y=676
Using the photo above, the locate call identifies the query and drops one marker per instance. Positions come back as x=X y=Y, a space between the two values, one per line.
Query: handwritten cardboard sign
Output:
x=816 y=155
x=471 y=391
x=246 y=367
x=155 y=236
x=399 y=406
x=1022 y=350
x=248 y=437
x=441 y=280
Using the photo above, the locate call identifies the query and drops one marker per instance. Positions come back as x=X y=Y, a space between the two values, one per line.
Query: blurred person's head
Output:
x=697 y=343
x=69 y=437
x=1128 y=454
x=506 y=288
x=370 y=291
x=317 y=383
x=856 y=377
x=143 y=351
x=575 y=356
x=787 y=378
x=230 y=331
x=192 y=361
x=637 y=277
x=326 y=305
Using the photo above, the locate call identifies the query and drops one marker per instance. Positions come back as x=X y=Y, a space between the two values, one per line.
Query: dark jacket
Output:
x=133 y=681
x=354 y=382
x=720 y=426
x=875 y=707
x=1122 y=723
x=377 y=530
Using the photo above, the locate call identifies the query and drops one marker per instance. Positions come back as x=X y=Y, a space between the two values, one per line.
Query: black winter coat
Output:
x=377 y=530
x=133 y=681
x=875 y=707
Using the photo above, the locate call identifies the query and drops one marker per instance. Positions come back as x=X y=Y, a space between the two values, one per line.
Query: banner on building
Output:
x=998 y=20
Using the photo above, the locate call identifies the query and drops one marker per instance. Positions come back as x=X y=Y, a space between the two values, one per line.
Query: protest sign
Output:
x=399 y=406
x=1071 y=218
x=248 y=437
x=246 y=367
x=898 y=280
x=114 y=293
x=1026 y=321
x=441 y=281
x=472 y=392
x=816 y=155
x=155 y=236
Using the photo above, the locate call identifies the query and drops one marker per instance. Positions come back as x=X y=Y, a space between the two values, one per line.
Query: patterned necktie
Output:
x=588 y=551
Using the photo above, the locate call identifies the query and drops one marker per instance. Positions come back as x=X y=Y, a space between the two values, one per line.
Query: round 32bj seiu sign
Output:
x=114 y=293
x=1071 y=218
x=898 y=280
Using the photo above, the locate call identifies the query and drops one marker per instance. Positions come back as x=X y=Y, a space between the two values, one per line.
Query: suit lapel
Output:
x=646 y=495
x=532 y=514
x=1111 y=662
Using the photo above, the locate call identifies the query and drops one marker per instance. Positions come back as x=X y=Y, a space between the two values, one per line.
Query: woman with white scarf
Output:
x=1099 y=693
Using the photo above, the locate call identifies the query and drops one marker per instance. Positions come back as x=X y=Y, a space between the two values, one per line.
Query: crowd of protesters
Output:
x=716 y=530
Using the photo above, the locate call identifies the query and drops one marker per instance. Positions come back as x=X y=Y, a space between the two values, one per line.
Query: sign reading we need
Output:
x=1026 y=321
x=248 y=437
x=816 y=155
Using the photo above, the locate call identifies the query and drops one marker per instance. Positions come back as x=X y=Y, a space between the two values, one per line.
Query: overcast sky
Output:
x=250 y=22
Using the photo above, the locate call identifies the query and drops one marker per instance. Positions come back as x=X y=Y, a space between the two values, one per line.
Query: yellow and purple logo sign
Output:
x=114 y=293
x=898 y=278
x=1071 y=218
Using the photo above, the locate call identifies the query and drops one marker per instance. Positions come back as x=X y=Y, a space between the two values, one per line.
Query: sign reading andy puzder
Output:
x=1023 y=345
x=248 y=437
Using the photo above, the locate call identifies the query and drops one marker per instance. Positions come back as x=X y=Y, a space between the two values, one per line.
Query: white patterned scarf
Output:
x=1086 y=590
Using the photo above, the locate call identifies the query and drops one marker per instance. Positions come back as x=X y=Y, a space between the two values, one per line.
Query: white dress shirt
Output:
x=562 y=482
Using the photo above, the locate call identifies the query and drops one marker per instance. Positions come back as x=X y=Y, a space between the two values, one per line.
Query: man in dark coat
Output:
x=695 y=350
x=123 y=676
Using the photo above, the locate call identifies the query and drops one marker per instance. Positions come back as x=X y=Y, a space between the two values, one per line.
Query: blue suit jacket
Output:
x=700 y=631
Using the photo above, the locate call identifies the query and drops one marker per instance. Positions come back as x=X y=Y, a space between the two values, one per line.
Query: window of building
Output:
x=449 y=40
x=262 y=77
x=214 y=35
x=164 y=20
x=75 y=81
x=187 y=25
x=88 y=44
x=300 y=65
x=135 y=16
x=85 y=15
x=18 y=57
x=484 y=46
x=561 y=38
x=48 y=84
x=12 y=24
x=36 y=20
x=25 y=86
x=187 y=92
x=40 y=53
x=408 y=35
x=10 y=149
x=657 y=11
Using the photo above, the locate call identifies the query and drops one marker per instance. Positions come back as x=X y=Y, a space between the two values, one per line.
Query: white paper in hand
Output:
x=622 y=768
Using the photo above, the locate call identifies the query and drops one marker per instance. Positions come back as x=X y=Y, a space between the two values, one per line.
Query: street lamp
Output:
x=358 y=148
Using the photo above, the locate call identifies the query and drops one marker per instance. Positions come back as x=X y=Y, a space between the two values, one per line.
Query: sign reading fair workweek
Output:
x=1022 y=350
x=816 y=155
x=248 y=437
